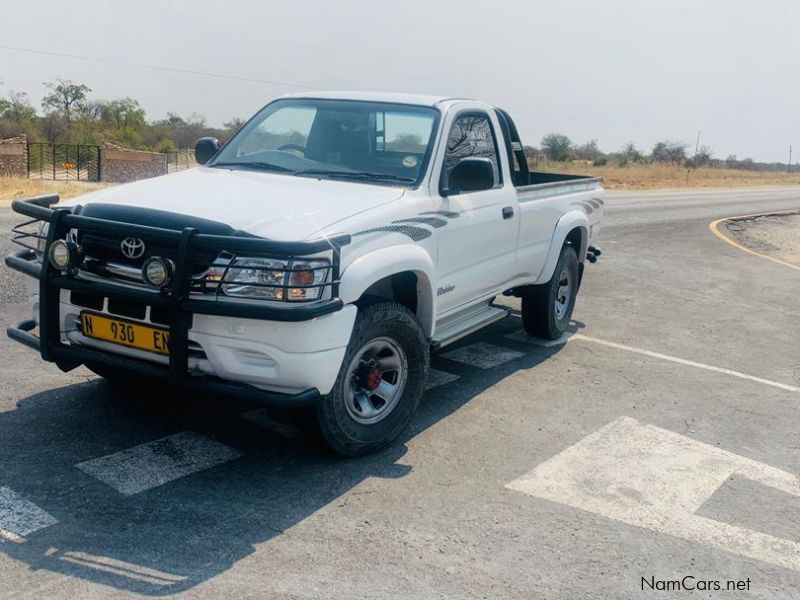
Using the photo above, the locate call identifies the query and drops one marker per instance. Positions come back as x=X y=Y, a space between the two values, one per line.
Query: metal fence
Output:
x=64 y=162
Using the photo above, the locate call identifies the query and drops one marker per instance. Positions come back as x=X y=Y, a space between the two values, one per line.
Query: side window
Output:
x=471 y=136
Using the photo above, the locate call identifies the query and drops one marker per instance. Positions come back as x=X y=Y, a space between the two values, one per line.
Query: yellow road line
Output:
x=714 y=227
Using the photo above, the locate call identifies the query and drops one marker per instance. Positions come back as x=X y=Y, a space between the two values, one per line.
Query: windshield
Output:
x=338 y=139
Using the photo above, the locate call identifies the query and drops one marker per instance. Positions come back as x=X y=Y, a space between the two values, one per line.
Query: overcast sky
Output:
x=615 y=70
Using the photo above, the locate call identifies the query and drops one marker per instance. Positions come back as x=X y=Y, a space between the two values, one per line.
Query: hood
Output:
x=279 y=207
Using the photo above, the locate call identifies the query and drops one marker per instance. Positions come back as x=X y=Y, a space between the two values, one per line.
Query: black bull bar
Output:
x=176 y=297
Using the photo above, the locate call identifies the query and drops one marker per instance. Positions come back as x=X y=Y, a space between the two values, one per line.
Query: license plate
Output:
x=125 y=333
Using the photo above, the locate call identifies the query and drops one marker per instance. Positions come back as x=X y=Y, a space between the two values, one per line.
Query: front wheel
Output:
x=380 y=382
x=547 y=308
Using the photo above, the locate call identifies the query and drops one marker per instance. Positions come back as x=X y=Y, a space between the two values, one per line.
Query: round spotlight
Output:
x=157 y=271
x=62 y=255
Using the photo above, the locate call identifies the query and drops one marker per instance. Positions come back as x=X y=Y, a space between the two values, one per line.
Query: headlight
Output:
x=275 y=279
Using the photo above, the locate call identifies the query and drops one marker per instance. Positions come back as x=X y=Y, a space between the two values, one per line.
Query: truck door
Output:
x=477 y=247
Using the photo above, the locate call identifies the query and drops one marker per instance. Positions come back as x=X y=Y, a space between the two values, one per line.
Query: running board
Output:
x=471 y=322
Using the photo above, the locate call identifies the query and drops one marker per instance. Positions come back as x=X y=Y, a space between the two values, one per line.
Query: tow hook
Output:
x=593 y=253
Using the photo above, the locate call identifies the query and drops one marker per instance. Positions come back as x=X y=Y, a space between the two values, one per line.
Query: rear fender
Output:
x=571 y=220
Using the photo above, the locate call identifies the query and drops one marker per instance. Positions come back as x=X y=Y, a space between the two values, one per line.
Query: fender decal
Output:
x=585 y=206
x=415 y=233
x=432 y=221
x=408 y=228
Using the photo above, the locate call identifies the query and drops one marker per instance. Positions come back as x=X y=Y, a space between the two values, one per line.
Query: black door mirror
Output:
x=205 y=148
x=471 y=174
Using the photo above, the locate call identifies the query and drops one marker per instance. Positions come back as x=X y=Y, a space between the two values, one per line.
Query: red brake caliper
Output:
x=374 y=379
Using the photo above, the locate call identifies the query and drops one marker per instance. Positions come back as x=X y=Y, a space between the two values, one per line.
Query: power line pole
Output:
x=790 y=159
x=697 y=146
x=694 y=160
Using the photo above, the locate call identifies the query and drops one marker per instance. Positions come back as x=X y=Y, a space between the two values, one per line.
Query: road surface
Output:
x=656 y=446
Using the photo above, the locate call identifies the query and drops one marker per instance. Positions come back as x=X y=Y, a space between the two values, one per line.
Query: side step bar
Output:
x=471 y=322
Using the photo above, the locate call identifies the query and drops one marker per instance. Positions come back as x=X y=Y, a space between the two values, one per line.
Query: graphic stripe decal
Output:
x=432 y=221
x=415 y=233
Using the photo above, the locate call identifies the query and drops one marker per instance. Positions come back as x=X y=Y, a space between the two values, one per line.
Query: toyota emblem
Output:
x=132 y=248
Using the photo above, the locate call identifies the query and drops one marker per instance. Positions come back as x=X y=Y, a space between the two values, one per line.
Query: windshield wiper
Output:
x=258 y=165
x=355 y=175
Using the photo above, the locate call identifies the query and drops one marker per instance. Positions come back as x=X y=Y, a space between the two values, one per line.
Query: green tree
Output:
x=122 y=113
x=65 y=98
x=588 y=151
x=669 y=152
x=557 y=147
x=234 y=124
x=17 y=116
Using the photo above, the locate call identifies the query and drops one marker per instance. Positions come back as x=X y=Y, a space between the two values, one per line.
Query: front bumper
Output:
x=255 y=350
x=68 y=356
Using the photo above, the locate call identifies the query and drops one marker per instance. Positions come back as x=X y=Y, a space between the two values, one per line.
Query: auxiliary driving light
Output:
x=157 y=271
x=63 y=255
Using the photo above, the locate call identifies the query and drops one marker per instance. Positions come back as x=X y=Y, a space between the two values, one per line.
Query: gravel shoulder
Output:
x=777 y=236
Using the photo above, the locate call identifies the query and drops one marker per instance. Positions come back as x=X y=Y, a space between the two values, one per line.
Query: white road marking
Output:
x=483 y=355
x=122 y=568
x=156 y=463
x=656 y=479
x=524 y=338
x=688 y=363
x=437 y=378
x=20 y=517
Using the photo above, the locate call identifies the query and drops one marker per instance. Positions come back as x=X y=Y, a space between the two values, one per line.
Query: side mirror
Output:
x=471 y=174
x=205 y=148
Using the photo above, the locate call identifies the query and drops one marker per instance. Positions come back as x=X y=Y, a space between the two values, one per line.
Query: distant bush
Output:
x=600 y=161
x=557 y=147
x=669 y=152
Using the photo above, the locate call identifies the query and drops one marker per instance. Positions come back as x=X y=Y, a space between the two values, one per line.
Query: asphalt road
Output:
x=658 y=442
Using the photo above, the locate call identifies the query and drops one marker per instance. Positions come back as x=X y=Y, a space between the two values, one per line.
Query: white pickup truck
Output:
x=319 y=256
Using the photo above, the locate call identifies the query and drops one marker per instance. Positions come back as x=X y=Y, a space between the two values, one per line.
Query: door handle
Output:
x=508 y=212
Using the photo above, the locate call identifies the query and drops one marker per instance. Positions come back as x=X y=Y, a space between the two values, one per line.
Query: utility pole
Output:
x=697 y=148
x=790 y=159
x=694 y=160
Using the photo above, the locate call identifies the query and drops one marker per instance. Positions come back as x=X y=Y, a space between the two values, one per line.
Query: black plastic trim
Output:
x=68 y=357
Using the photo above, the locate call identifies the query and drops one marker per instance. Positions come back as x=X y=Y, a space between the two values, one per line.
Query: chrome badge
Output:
x=132 y=248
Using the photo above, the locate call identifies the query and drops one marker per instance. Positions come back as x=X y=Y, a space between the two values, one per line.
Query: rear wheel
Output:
x=380 y=382
x=547 y=309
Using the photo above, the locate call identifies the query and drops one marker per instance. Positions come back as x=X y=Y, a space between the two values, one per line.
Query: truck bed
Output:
x=540 y=180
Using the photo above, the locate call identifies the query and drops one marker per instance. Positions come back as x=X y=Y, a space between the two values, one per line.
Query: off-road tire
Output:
x=539 y=315
x=340 y=430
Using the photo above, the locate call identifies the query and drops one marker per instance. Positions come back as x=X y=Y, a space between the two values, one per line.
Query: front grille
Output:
x=159 y=315
x=130 y=309
x=92 y=301
x=106 y=248
x=127 y=308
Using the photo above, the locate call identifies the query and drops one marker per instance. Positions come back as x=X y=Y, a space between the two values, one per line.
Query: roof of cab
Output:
x=416 y=99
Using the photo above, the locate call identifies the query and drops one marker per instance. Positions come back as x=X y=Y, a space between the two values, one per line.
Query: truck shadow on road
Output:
x=172 y=537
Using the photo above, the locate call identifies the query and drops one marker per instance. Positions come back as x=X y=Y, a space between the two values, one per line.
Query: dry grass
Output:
x=14 y=187
x=644 y=177
x=632 y=177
